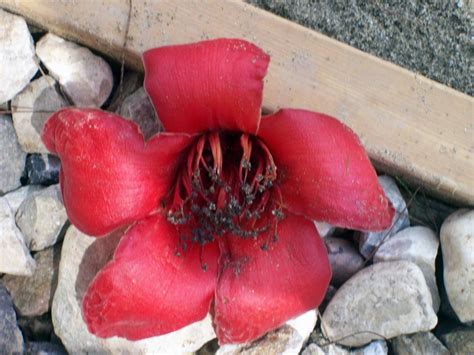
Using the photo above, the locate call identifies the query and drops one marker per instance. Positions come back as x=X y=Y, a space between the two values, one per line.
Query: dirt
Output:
x=430 y=37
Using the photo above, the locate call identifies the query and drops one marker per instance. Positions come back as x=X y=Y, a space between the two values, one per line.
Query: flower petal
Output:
x=147 y=289
x=259 y=290
x=324 y=171
x=109 y=176
x=208 y=85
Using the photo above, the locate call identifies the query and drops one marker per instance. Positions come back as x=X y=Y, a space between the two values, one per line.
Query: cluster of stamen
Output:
x=226 y=185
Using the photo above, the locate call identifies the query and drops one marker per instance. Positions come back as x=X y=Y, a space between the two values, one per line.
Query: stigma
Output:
x=227 y=184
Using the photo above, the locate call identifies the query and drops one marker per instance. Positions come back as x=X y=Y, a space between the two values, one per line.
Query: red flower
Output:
x=220 y=206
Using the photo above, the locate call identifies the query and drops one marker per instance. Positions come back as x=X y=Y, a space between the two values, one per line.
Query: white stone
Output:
x=457 y=245
x=138 y=108
x=286 y=340
x=377 y=347
x=81 y=258
x=344 y=258
x=15 y=198
x=31 y=108
x=86 y=78
x=417 y=244
x=17 y=55
x=15 y=258
x=330 y=349
x=369 y=241
x=41 y=217
x=383 y=300
x=12 y=158
x=324 y=229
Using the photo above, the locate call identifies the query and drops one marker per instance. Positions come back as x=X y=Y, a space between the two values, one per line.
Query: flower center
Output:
x=225 y=185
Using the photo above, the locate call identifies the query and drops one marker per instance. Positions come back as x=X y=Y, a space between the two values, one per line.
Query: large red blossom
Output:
x=219 y=206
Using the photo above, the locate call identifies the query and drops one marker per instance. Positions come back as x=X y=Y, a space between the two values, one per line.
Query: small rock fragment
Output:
x=31 y=108
x=330 y=349
x=344 y=258
x=288 y=339
x=17 y=55
x=132 y=80
x=32 y=295
x=44 y=348
x=369 y=241
x=457 y=245
x=81 y=258
x=377 y=347
x=419 y=343
x=460 y=341
x=11 y=340
x=41 y=217
x=324 y=229
x=37 y=327
x=42 y=169
x=383 y=300
x=15 y=257
x=138 y=108
x=419 y=245
x=12 y=158
x=85 y=78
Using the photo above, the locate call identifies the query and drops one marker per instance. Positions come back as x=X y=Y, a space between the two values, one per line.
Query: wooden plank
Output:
x=411 y=126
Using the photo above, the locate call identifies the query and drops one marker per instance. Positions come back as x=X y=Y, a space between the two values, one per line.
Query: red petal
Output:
x=325 y=173
x=208 y=85
x=260 y=290
x=147 y=290
x=109 y=176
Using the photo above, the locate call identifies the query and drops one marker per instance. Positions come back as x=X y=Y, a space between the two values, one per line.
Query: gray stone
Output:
x=42 y=169
x=85 y=78
x=377 y=347
x=131 y=82
x=457 y=245
x=419 y=245
x=31 y=108
x=383 y=300
x=81 y=258
x=44 y=348
x=12 y=158
x=138 y=108
x=32 y=296
x=460 y=341
x=11 y=340
x=17 y=55
x=324 y=229
x=15 y=257
x=369 y=241
x=419 y=343
x=330 y=349
x=41 y=217
x=288 y=339
x=16 y=197
x=344 y=258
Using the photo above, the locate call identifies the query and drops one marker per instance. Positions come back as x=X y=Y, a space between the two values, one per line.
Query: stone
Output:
x=81 y=258
x=31 y=108
x=331 y=349
x=457 y=246
x=324 y=229
x=85 y=78
x=369 y=241
x=138 y=108
x=418 y=343
x=344 y=258
x=42 y=169
x=15 y=198
x=11 y=340
x=41 y=217
x=15 y=257
x=32 y=295
x=12 y=158
x=132 y=80
x=288 y=339
x=377 y=347
x=37 y=327
x=45 y=348
x=417 y=244
x=383 y=300
x=460 y=341
x=17 y=55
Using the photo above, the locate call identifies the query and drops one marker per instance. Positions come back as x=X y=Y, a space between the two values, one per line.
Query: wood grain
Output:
x=411 y=126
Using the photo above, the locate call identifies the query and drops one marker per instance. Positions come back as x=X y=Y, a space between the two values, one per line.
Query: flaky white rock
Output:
x=457 y=245
x=31 y=108
x=81 y=258
x=17 y=55
x=383 y=300
x=85 y=78
x=418 y=244
x=15 y=258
